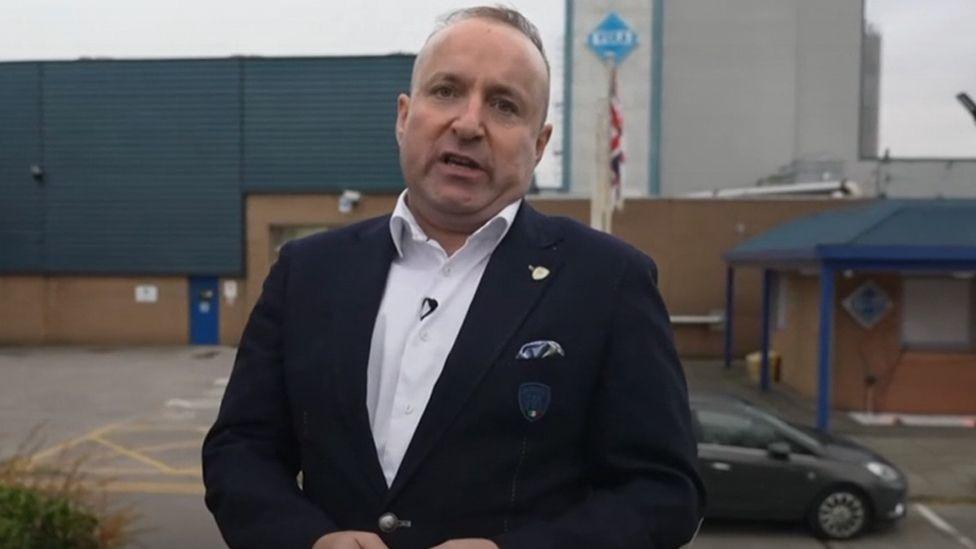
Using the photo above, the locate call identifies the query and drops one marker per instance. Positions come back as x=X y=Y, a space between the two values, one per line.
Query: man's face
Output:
x=471 y=133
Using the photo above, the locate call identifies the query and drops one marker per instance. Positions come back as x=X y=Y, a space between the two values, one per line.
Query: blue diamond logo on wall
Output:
x=612 y=39
x=868 y=304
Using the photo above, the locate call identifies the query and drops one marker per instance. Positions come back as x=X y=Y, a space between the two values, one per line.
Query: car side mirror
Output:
x=779 y=450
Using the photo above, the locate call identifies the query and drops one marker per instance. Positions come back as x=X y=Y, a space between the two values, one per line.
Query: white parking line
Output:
x=940 y=524
x=193 y=403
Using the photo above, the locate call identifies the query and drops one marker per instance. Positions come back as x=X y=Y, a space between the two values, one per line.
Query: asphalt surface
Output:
x=135 y=417
x=138 y=416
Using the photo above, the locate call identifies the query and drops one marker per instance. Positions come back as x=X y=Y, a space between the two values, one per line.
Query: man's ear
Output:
x=541 y=141
x=403 y=109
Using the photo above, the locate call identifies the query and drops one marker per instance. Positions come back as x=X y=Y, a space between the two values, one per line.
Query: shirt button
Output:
x=424 y=335
x=408 y=409
x=446 y=270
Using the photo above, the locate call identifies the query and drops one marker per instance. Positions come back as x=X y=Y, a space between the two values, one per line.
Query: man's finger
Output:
x=467 y=543
x=368 y=540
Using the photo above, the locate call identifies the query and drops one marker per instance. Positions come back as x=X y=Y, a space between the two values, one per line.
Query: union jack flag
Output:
x=616 y=142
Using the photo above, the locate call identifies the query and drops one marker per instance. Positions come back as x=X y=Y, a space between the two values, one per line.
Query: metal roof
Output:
x=902 y=231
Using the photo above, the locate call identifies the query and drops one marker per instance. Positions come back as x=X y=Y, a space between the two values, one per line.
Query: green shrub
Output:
x=33 y=520
x=52 y=504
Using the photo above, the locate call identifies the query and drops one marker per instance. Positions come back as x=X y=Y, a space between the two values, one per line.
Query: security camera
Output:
x=348 y=200
x=37 y=172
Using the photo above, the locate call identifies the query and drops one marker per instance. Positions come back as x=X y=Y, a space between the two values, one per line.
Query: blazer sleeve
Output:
x=645 y=489
x=250 y=456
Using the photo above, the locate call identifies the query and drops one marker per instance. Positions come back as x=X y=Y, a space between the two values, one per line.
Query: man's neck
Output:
x=450 y=240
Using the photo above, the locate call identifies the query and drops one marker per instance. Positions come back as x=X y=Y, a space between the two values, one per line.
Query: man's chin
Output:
x=461 y=204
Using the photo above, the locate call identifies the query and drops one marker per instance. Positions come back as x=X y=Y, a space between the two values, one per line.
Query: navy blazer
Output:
x=608 y=461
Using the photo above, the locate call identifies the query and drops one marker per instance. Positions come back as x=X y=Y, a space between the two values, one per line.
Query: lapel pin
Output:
x=539 y=273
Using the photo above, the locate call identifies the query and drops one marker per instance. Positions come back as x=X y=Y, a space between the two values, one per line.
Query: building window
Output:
x=938 y=314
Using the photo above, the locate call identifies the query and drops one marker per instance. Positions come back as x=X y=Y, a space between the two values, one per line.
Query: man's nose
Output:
x=468 y=123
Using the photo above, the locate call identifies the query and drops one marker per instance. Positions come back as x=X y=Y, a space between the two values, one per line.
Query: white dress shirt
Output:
x=407 y=354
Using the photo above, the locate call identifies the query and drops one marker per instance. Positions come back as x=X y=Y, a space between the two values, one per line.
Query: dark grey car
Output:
x=757 y=466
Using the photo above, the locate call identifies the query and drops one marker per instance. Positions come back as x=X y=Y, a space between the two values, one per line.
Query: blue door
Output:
x=204 y=311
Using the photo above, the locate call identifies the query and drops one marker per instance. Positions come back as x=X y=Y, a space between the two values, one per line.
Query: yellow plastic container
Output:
x=754 y=365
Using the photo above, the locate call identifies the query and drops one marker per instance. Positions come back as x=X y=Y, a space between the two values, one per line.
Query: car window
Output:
x=730 y=429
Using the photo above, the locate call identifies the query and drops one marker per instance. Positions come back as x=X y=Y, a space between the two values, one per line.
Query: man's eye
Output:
x=505 y=106
x=443 y=92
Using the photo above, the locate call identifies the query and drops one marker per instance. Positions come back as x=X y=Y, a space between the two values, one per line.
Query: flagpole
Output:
x=611 y=41
x=598 y=200
x=602 y=195
x=616 y=144
x=608 y=188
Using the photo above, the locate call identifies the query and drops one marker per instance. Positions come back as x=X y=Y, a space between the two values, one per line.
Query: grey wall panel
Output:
x=730 y=92
x=322 y=124
x=143 y=160
x=21 y=198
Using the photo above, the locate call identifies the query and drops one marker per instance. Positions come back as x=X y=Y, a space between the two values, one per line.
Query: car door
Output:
x=742 y=478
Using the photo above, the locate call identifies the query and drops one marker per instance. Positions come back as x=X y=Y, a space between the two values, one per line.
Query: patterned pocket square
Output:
x=540 y=349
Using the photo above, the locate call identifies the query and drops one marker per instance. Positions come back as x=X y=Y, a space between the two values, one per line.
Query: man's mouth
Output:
x=454 y=159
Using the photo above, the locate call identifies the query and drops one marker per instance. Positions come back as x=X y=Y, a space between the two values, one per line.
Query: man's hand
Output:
x=471 y=543
x=350 y=540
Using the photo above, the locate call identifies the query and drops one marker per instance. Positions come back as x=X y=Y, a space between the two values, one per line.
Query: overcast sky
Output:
x=929 y=47
x=928 y=56
x=69 y=29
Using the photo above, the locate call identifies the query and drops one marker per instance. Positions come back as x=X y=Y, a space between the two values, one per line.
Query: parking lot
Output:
x=138 y=416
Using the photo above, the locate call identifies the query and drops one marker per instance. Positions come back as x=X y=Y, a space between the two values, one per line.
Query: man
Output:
x=466 y=373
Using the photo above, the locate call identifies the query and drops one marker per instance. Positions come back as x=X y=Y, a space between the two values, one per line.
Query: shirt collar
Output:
x=403 y=224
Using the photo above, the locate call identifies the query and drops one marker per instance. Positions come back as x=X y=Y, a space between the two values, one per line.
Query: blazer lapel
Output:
x=507 y=292
x=358 y=294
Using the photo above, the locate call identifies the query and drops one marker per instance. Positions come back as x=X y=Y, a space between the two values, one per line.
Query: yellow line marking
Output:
x=148 y=427
x=195 y=443
x=184 y=488
x=58 y=448
x=193 y=472
x=122 y=471
x=162 y=467
x=100 y=459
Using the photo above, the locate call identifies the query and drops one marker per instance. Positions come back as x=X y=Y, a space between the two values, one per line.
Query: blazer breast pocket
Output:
x=540 y=349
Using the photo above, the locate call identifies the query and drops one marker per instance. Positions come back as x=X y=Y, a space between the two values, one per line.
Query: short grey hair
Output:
x=500 y=14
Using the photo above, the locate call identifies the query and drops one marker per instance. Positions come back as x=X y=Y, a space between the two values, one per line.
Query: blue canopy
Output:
x=932 y=231
x=902 y=235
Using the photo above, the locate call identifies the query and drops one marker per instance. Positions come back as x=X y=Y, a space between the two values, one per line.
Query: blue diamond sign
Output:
x=612 y=39
x=868 y=304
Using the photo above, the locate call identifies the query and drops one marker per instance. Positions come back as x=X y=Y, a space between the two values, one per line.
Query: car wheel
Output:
x=840 y=513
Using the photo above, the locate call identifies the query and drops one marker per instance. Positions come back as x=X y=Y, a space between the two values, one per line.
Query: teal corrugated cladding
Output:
x=146 y=162
x=21 y=197
x=143 y=164
x=322 y=124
